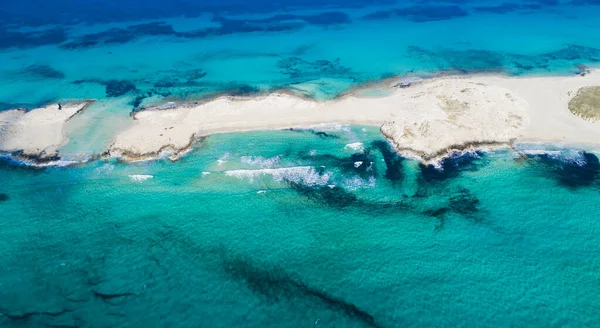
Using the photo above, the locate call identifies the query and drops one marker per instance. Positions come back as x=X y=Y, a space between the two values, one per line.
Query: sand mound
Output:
x=457 y=114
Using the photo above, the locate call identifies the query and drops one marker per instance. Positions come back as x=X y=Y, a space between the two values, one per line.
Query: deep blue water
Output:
x=149 y=50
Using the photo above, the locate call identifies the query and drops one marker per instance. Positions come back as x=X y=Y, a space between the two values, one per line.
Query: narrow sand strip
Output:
x=428 y=119
x=36 y=134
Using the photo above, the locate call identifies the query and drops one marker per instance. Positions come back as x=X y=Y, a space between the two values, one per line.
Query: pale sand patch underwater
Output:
x=428 y=119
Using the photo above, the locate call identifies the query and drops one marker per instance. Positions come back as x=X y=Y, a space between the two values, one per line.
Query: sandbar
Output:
x=427 y=119
x=37 y=134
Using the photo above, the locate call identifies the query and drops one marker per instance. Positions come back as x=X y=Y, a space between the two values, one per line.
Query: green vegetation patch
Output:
x=586 y=103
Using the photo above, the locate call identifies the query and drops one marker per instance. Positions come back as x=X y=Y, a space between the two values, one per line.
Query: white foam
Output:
x=329 y=127
x=358 y=183
x=568 y=155
x=261 y=192
x=105 y=169
x=223 y=159
x=312 y=152
x=357 y=146
x=298 y=174
x=262 y=162
x=140 y=177
x=57 y=163
x=205 y=173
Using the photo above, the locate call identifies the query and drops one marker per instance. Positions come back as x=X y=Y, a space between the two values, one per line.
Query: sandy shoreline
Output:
x=428 y=119
x=37 y=134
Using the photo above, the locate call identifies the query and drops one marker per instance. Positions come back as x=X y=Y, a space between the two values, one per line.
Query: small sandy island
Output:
x=428 y=119
x=425 y=118
x=36 y=134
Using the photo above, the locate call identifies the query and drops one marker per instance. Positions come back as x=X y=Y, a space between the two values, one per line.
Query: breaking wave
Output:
x=306 y=175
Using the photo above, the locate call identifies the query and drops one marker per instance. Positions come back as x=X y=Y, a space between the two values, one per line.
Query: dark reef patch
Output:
x=120 y=35
x=571 y=173
x=464 y=202
x=244 y=90
x=39 y=72
x=461 y=201
x=361 y=164
x=421 y=13
x=329 y=196
x=394 y=163
x=464 y=61
x=3 y=197
x=450 y=166
x=117 y=88
x=295 y=67
x=64 y=12
x=337 y=197
x=113 y=88
x=501 y=8
x=276 y=23
x=276 y=285
x=19 y=39
x=477 y=60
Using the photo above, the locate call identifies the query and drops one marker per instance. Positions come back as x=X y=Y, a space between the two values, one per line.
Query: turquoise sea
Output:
x=323 y=226
x=303 y=228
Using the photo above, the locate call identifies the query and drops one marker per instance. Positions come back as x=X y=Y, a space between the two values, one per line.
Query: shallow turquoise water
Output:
x=288 y=230
x=323 y=227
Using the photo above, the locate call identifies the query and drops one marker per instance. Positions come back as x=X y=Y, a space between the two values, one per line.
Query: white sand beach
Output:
x=37 y=133
x=428 y=119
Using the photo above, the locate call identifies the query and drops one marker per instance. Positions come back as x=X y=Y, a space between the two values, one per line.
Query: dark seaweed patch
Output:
x=3 y=197
x=478 y=60
x=421 y=13
x=117 y=88
x=27 y=315
x=277 y=285
x=39 y=71
x=450 y=166
x=320 y=134
x=244 y=90
x=336 y=197
x=19 y=39
x=227 y=26
x=330 y=196
x=348 y=165
x=572 y=174
x=120 y=35
x=464 y=202
x=296 y=67
x=366 y=167
x=393 y=162
x=501 y=8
